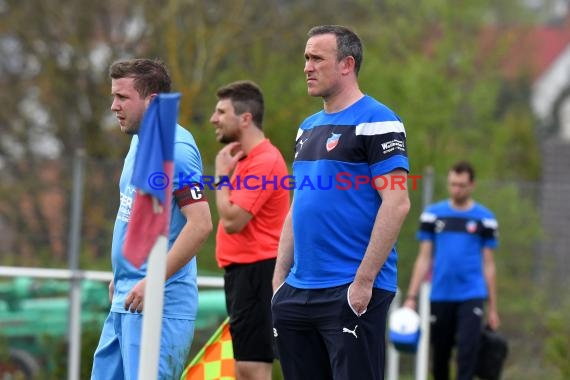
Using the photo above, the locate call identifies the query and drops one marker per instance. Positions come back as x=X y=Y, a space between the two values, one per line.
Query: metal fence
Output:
x=36 y=215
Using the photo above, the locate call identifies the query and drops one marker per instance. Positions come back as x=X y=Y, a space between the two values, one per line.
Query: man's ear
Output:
x=246 y=117
x=149 y=98
x=349 y=65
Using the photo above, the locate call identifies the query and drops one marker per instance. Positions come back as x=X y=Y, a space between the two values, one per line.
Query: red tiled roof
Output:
x=527 y=52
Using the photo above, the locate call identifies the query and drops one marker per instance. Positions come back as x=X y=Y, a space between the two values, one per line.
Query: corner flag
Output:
x=215 y=361
x=152 y=174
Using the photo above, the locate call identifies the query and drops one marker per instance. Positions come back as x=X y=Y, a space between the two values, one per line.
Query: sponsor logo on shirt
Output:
x=126 y=204
x=439 y=226
x=390 y=146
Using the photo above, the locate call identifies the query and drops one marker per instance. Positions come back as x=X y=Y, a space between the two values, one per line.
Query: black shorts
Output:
x=320 y=337
x=248 y=301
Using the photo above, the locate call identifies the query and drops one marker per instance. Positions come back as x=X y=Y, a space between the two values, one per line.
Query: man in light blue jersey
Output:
x=457 y=237
x=336 y=269
x=134 y=83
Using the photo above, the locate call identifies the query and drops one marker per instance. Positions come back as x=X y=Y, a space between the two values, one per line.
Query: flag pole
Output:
x=152 y=314
x=149 y=224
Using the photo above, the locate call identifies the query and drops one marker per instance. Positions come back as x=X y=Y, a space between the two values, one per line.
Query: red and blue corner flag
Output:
x=152 y=174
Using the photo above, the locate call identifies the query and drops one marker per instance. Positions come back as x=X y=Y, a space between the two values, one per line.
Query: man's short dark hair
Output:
x=347 y=42
x=464 y=167
x=245 y=96
x=150 y=75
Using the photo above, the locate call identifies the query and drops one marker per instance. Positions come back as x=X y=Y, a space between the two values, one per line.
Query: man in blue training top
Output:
x=336 y=269
x=134 y=83
x=457 y=239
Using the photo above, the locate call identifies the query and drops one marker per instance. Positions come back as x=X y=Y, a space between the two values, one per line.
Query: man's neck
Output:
x=250 y=141
x=342 y=100
x=462 y=206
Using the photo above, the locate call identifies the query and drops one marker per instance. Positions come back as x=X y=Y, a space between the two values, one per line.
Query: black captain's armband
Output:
x=189 y=194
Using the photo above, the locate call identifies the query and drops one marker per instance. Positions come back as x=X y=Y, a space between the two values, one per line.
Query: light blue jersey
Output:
x=181 y=291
